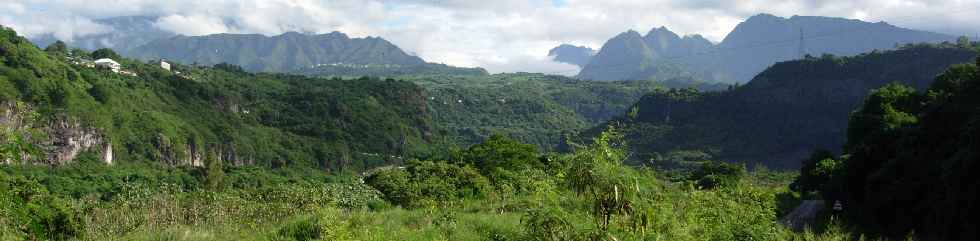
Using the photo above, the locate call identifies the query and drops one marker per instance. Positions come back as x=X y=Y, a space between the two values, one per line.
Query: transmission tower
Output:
x=802 y=51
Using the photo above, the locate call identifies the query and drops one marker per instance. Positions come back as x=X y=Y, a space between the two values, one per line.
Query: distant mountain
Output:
x=331 y=54
x=764 y=39
x=658 y=55
x=622 y=57
x=281 y=53
x=668 y=45
x=753 y=45
x=124 y=34
x=783 y=114
x=571 y=54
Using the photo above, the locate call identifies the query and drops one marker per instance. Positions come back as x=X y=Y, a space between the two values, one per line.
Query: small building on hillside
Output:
x=164 y=64
x=108 y=64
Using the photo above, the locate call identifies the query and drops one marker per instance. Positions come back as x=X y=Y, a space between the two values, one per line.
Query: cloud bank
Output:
x=501 y=36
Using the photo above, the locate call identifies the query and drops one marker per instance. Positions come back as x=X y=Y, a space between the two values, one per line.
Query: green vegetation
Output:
x=239 y=118
x=910 y=159
x=217 y=153
x=533 y=108
x=587 y=195
x=786 y=111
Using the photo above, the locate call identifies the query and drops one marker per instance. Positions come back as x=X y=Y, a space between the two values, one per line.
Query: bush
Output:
x=428 y=180
x=546 y=224
x=713 y=175
x=41 y=216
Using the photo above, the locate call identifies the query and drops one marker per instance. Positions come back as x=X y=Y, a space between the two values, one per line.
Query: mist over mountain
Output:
x=571 y=54
x=752 y=46
x=123 y=34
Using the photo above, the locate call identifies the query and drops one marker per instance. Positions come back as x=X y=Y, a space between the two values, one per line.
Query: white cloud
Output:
x=192 y=25
x=501 y=35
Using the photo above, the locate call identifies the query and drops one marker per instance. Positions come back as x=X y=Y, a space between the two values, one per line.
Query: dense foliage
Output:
x=242 y=118
x=533 y=108
x=586 y=195
x=910 y=159
x=786 y=111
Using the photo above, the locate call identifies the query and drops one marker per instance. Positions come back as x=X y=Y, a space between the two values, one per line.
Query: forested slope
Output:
x=782 y=114
x=910 y=162
x=221 y=111
x=533 y=108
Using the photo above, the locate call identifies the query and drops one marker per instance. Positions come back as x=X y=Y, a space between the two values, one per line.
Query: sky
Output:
x=499 y=35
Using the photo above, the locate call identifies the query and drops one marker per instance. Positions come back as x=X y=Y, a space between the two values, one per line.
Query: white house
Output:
x=108 y=64
x=164 y=64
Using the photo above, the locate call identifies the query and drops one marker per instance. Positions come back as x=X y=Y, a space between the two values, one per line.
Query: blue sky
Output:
x=500 y=35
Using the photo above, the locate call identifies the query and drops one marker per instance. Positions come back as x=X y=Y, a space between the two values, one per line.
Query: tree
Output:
x=214 y=173
x=105 y=53
x=57 y=48
x=717 y=174
x=14 y=143
x=80 y=53
x=501 y=152
x=820 y=173
x=963 y=42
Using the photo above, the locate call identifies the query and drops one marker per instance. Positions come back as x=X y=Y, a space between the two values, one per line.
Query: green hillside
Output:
x=782 y=114
x=242 y=118
x=533 y=108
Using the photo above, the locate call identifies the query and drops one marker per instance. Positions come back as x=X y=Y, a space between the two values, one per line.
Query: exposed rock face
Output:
x=61 y=139
x=68 y=138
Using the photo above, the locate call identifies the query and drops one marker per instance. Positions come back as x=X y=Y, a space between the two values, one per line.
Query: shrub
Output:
x=428 y=180
x=717 y=174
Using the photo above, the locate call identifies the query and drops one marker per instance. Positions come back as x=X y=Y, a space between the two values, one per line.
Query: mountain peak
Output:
x=660 y=29
x=335 y=34
x=663 y=34
x=764 y=16
x=629 y=34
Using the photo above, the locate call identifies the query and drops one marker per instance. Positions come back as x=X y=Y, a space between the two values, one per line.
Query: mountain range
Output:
x=122 y=34
x=329 y=54
x=281 y=53
x=752 y=46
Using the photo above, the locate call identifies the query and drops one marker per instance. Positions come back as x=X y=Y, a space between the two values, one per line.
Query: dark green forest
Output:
x=781 y=115
x=910 y=159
